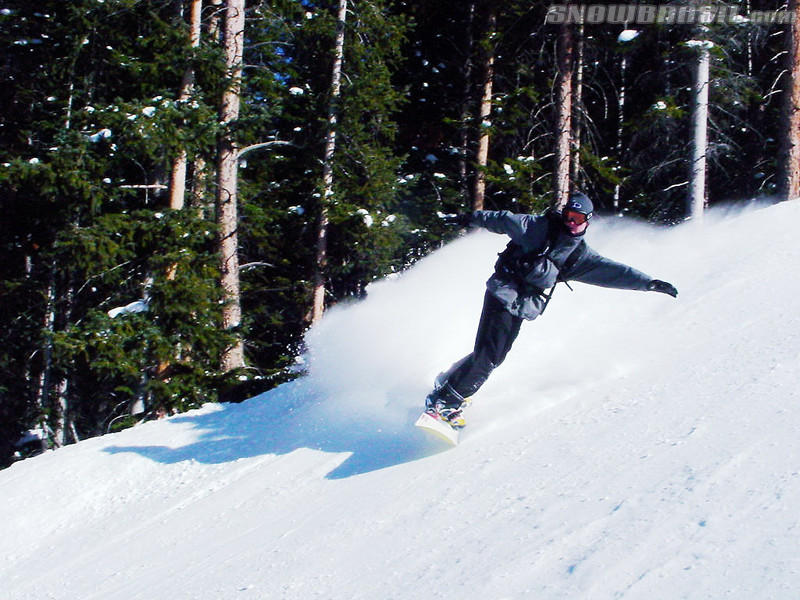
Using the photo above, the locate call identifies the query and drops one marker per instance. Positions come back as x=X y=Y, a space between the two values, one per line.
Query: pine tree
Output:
x=85 y=183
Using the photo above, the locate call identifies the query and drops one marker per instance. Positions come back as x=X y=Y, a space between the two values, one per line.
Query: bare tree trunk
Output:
x=62 y=424
x=485 y=113
x=466 y=108
x=214 y=23
x=623 y=68
x=750 y=51
x=697 y=177
x=177 y=182
x=563 y=115
x=199 y=196
x=577 y=118
x=51 y=397
x=789 y=165
x=318 y=302
x=70 y=100
x=227 y=180
x=45 y=375
x=62 y=417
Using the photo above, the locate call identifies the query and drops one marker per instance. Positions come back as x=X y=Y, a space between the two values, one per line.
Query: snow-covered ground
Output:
x=632 y=446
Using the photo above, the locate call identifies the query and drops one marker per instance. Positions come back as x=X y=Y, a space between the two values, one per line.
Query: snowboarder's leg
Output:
x=497 y=331
x=496 y=334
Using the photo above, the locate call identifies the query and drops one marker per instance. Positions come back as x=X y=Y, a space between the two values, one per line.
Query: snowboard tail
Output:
x=439 y=427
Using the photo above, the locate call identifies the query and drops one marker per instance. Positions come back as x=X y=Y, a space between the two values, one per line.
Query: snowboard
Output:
x=438 y=427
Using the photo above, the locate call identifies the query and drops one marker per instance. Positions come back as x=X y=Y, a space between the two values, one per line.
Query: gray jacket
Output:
x=521 y=292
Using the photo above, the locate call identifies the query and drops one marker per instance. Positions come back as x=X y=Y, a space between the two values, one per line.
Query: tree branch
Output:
x=252 y=265
x=247 y=149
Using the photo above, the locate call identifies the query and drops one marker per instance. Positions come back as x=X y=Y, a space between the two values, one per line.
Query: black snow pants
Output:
x=497 y=331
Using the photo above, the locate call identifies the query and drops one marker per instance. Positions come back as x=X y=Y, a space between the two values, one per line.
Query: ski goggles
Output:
x=573 y=216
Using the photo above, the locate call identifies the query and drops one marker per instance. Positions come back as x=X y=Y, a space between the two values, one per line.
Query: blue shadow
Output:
x=280 y=422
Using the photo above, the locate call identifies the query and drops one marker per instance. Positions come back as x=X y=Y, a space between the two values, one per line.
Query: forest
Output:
x=187 y=185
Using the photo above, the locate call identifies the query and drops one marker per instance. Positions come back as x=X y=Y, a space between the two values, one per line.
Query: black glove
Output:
x=461 y=220
x=656 y=285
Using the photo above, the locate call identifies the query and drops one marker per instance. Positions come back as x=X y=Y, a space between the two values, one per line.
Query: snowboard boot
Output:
x=446 y=404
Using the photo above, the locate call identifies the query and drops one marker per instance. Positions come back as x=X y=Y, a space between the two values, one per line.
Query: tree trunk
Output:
x=577 y=116
x=198 y=196
x=485 y=114
x=214 y=22
x=62 y=424
x=318 y=302
x=697 y=176
x=45 y=376
x=750 y=50
x=789 y=165
x=52 y=400
x=623 y=71
x=466 y=107
x=563 y=115
x=177 y=183
x=227 y=179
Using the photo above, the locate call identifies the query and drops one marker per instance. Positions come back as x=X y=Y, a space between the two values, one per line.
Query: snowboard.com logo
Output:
x=648 y=14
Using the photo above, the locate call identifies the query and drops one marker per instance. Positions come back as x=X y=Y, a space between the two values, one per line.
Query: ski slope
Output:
x=632 y=446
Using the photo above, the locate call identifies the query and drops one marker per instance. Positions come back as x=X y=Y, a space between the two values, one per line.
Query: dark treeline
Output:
x=354 y=125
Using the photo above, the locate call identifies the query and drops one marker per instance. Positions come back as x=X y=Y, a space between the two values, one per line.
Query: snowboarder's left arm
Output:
x=599 y=270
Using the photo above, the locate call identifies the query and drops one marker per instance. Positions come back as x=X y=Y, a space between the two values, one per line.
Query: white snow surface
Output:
x=632 y=446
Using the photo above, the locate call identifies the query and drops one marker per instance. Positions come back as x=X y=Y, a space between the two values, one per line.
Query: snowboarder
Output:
x=544 y=249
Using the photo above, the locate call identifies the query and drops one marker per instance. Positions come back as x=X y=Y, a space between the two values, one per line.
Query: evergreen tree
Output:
x=364 y=166
x=89 y=145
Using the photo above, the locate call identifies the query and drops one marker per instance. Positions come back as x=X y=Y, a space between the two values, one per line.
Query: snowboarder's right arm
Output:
x=504 y=222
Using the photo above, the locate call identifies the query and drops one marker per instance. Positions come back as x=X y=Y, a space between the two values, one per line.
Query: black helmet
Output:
x=579 y=202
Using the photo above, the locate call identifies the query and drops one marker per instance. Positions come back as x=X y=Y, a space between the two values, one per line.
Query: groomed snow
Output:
x=632 y=446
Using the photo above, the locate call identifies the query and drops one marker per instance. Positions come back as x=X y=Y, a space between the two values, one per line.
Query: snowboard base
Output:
x=437 y=427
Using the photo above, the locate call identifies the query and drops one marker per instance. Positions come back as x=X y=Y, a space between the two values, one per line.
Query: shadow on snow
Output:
x=290 y=418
